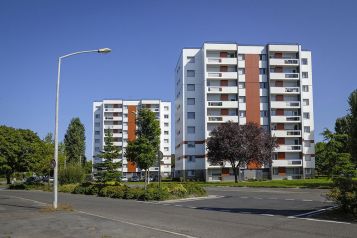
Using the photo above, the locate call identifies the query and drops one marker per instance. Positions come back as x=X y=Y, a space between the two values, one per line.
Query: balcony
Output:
x=284 y=62
x=288 y=148
x=221 y=119
x=284 y=90
x=285 y=104
x=113 y=109
x=287 y=163
x=222 y=104
x=309 y=150
x=284 y=76
x=223 y=61
x=286 y=133
x=112 y=118
x=285 y=119
x=218 y=89
x=221 y=75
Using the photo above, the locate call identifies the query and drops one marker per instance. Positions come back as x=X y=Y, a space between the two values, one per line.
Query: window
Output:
x=191 y=144
x=305 y=75
x=190 y=87
x=241 y=113
x=166 y=124
x=262 y=71
x=125 y=106
x=307 y=144
x=264 y=113
x=190 y=101
x=166 y=108
x=305 y=102
x=166 y=116
x=191 y=130
x=190 y=173
x=97 y=140
x=241 y=71
x=305 y=88
x=304 y=61
x=263 y=85
x=166 y=141
x=307 y=157
x=191 y=115
x=263 y=57
x=97 y=124
x=166 y=132
x=96 y=149
x=306 y=115
x=307 y=129
x=125 y=124
x=97 y=115
x=241 y=99
x=241 y=57
x=241 y=85
x=191 y=158
x=190 y=73
x=166 y=149
x=191 y=59
x=263 y=99
x=275 y=171
x=97 y=132
x=125 y=115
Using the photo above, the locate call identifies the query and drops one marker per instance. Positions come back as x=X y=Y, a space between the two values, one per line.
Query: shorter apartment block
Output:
x=120 y=117
x=270 y=85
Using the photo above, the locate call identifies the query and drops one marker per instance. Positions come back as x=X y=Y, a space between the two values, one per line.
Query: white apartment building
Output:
x=270 y=85
x=120 y=116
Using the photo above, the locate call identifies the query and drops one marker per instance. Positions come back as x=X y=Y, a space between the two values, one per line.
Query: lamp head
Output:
x=104 y=50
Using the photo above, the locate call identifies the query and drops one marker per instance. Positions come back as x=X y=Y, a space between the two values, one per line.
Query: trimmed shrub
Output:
x=134 y=193
x=19 y=186
x=113 y=191
x=195 y=190
x=67 y=188
x=73 y=173
x=178 y=190
x=155 y=193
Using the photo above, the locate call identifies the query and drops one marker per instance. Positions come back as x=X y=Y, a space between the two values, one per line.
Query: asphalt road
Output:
x=227 y=212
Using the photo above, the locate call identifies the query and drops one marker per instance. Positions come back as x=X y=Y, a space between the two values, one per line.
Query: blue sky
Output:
x=146 y=38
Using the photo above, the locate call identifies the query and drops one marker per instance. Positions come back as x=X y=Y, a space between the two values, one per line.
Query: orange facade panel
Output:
x=252 y=88
x=131 y=132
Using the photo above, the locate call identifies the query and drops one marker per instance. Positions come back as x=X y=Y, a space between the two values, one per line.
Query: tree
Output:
x=352 y=101
x=20 y=151
x=240 y=145
x=330 y=152
x=74 y=141
x=144 y=150
x=108 y=169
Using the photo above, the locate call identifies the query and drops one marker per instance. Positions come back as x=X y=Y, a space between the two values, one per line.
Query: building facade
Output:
x=120 y=117
x=270 y=85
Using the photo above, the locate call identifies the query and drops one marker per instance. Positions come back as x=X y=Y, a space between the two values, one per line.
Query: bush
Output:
x=113 y=191
x=87 y=188
x=73 y=173
x=177 y=190
x=67 y=188
x=155 y=193
x=344 y=193
x=19 y=186
x=134 y=193
x=195 y=190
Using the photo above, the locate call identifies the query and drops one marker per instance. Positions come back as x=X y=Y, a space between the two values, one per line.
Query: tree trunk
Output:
x=235 y=174
x=8 y=178
x=146 y=178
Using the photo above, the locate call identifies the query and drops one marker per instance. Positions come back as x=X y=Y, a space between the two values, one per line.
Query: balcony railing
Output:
x=286 y=133
x=283 y=119
x=280 y=75
x=284 y=90
x=214 y=89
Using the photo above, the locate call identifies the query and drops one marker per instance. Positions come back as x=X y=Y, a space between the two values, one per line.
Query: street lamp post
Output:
x=55 y=159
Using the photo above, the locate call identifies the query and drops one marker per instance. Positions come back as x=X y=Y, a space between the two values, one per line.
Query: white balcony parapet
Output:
x=287 y=76
x=288 y=148
x=286 y=163
x=225 y=75
x=285 y=119
x=218 y=60
x=283 y=61
x=222 y=118
x=284 y=90
x=286 y=133
x=285 y=104
x=222 y=89
x=228 y=104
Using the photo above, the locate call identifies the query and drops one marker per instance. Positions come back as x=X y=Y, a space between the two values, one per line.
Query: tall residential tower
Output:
x=270 y=85
x=120 y=117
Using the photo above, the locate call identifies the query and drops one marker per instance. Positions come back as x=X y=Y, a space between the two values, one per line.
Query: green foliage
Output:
x=108 y=169
x=352 y=101
x=67 y=188
x=134 y=193
x=74 y=141
x=19 y=186
x=117 y=191
x=72 y=173
x=344 y=194
x=144 y=150
x=20 y=151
